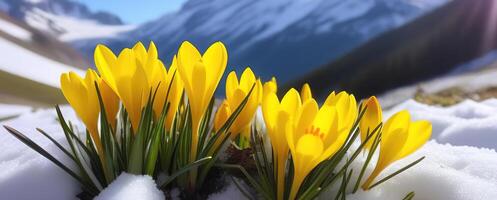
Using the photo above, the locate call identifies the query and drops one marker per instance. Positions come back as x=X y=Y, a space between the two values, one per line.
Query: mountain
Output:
x=31 y=63
x=453 y=38
x=66 y=20
x=283 y=38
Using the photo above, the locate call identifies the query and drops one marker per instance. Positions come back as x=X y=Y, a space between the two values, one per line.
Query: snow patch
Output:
x=68 y=28
x=14 y=30
x=131 y=187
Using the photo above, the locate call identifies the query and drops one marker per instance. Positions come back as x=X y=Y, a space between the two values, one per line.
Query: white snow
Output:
x=14 y=30
x=21 y=62
x=131 y=187
x=460 y=164
x=24 y=174
x=10 y=110
x=68 y=28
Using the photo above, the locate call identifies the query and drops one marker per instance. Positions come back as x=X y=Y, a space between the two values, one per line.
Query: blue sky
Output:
x=134 y=11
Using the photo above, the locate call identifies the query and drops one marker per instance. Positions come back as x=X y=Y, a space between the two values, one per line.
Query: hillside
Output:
x=430 y=46
x=31 y=64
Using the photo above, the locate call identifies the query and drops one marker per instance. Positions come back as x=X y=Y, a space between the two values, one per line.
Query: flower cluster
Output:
x=145 y=118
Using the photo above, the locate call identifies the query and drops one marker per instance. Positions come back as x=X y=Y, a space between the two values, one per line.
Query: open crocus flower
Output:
x=277 y=116
x=236 y=91
x=132 y=75
x=370 y=120
x=201 y=75
x=314 y=137
x=82 y=96
x=400 y=137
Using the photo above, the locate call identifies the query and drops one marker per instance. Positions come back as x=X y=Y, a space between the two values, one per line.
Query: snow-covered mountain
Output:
x=65 y=19
x=278 y=37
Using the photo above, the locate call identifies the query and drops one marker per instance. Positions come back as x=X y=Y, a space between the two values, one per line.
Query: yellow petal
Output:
x=291 y=101
x=106 y=62
x=222 y=115
x=419 y=134
x=231 y=84
x=305 y=93
x=370 y=120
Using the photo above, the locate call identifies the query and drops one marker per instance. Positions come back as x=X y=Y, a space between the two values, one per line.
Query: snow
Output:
x=14 y=30
x=460 y=163
x=131 y=187
x=21 y=62
x=21 y=167
x=68 y=28
x=448 y=172
x=10 y=110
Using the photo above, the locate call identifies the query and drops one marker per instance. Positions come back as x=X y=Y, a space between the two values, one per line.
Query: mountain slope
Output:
x=428 y=47
x=31 y=64
x=284 y=38
x=64 y=19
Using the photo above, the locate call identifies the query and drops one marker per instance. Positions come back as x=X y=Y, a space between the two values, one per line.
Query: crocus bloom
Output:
x=400 y=137
x=132 y=75
x=370 y=120
x=201 y=75
x=82 y=96
x=277 y=116
x=236 y=91
x=315 y=136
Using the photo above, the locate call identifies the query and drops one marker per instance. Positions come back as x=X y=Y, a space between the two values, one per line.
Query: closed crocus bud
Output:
x=222 y=115
x=400 y=137
x=370 y=120
x=236 y=92
x=201 y=75
x=82 y=96
x=277 y=116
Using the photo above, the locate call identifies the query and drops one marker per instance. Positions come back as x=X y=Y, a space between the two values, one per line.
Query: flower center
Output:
x=316 y=131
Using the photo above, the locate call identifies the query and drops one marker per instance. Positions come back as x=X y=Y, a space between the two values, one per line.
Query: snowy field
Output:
x=460 y=164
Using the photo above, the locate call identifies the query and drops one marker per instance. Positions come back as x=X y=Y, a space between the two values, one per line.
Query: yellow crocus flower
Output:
x=236 y=91
x=110 y=101
x=400 y=137
x=315 y=136
x=82 y=96
x=133 y=75
x=305 y=92
x=201 y=75
x=277 y=116
x=370 y=120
